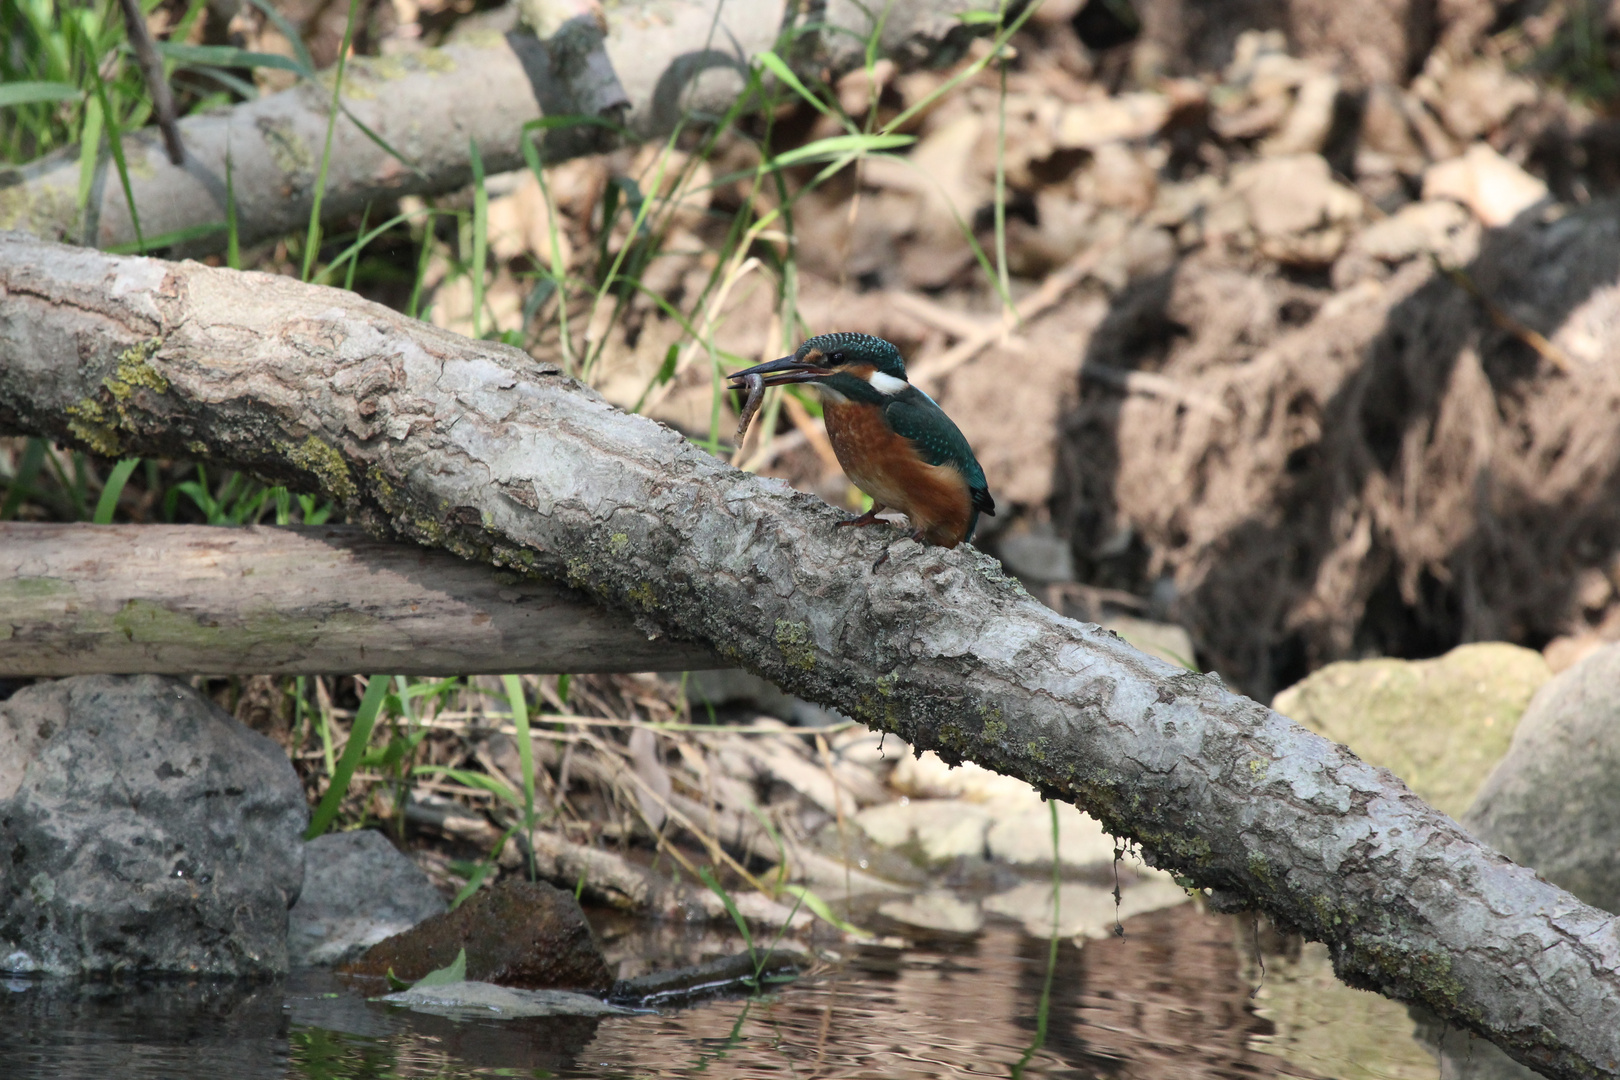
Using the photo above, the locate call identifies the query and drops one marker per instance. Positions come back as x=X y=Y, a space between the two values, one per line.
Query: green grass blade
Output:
x=359 y=734
x=22 y=485
x=115 y=143
x=518 y=701
x=549 y=123
x=778 y=67
x=312 y=239
x=237 y=85
x=225 y=56
x=382 y=143
x=1002 y=277
x=89 y=151
x=233 y=240
x=354 y=263
x=290 y=32
x=34 y=93
x=114 y=488
x=820 y=909
x=731 y=909
x=480 y=236
x=480 y=872
x=1001 y=39
x=182 y=29
x=481 y=781
x=168 y=239
x=74 y=490
x=837 y=146
x=781 y=932
x=531 y=157
x=412 y=309
x=1044 y=1008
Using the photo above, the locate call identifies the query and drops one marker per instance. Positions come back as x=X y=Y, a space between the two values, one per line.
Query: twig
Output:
x=939 y=316
x=1155 y=385
x=157 y=84
x=1053 y=289
x=1503 y=321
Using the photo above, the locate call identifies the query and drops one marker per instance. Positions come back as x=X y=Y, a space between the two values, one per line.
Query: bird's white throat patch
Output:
x=887 y=384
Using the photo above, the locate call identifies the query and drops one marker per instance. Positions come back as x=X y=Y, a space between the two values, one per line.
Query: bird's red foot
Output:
x=868 y=518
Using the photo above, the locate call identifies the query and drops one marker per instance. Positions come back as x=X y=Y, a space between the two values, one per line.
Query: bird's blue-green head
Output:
x=836 y=362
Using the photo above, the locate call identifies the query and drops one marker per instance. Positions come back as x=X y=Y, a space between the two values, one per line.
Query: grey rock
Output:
x=142 y=830
x=1037 y=553
x=474 y=1000
x=358 y=889
x=1552 y=803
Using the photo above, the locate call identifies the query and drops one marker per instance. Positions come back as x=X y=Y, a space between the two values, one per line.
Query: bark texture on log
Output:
x=660 y=60
x=477 y=448
x=183 y=599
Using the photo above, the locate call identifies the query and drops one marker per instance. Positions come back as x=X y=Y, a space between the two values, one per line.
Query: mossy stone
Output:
x=1440 y=725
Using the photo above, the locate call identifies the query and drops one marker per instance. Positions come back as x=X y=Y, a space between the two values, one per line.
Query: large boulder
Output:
x=358 y=890
x=1553 y=803
x=143 y=830
x=1440 y=725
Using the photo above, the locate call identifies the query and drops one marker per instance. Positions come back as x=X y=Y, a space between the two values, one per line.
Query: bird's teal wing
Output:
x=913 y=415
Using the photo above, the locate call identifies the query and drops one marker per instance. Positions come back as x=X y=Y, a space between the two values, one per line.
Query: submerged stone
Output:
x=519 y=933
x=474 y=1000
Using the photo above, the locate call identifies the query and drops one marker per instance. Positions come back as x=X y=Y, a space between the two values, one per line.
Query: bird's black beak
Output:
x=789 y=369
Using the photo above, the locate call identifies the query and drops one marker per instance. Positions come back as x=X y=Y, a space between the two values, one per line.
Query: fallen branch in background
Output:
x=658 y=62
x=178 y=599
x=474 y=447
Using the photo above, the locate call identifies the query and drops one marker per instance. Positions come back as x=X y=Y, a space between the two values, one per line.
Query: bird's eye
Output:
x=837 y=358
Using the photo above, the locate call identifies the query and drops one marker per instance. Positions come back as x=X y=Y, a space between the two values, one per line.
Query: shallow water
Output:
x=1170 y=999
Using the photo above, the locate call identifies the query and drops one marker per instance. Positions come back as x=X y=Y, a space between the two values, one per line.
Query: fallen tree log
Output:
x=187 y=599
x=477 y=448
x=660 y=60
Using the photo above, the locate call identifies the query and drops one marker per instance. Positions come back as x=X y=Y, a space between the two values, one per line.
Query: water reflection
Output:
x=1170 y=999
x=170 y=1028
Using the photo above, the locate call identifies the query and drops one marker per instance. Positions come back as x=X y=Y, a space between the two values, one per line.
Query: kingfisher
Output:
x=892 y=440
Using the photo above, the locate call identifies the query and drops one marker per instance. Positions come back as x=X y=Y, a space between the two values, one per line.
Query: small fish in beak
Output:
x=756 y=393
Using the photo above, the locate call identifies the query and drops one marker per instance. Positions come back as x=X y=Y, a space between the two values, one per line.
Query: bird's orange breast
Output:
x=886 y=466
